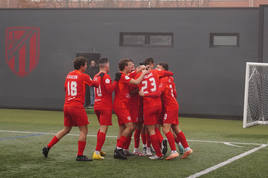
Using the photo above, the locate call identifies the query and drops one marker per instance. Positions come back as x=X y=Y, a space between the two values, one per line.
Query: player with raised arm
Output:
x=149 y=89
x=171 y=112
x=121 y=105
x=74 y=112
x=133 y=104
x=103 y=105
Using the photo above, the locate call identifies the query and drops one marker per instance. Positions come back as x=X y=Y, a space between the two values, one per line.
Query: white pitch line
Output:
x=213 y=168
x=51 y=133
x=223 y=142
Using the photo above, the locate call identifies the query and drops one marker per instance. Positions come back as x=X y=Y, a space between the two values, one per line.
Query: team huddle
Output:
x=144 y=102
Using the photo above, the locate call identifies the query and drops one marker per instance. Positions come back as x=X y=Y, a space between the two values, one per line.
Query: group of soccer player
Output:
x=144 y=102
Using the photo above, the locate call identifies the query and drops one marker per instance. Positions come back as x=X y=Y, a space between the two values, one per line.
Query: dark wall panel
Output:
x=209 y=81
x=265 y=33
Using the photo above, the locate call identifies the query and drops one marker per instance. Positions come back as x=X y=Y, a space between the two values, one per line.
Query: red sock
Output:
x=177 y=139
x=100 y=140
x=81 y=147
x=143 y=138
x=148 y=140
x=155 y=143
x=53 y=142
x=137 y=138
x=122 y=141
x=127 y=144
x=181 y=138
x=171 y=141
x=158 y=133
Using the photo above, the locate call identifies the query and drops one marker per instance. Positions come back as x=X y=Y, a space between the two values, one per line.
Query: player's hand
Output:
x=101 y=74
x=117 y=76
x=144 y=72
x=140 y=68
x=141 y=93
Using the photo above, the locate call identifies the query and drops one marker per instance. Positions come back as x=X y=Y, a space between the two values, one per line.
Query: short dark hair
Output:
x=164 y=65
x=148 y=61
x=103 y=60
x=123 y=63
x=79 y=61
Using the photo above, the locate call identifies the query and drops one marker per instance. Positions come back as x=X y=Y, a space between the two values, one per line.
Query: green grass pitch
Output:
x=20 y=152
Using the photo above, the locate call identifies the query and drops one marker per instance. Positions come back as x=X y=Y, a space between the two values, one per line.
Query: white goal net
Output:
x=256 y=94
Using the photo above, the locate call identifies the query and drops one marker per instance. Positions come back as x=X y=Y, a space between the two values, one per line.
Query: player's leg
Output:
x=171 y=141
x=55 y=139
x=137 y=134
x=126 y=132
x=127 y=144
x=68 y=123
x=101 y=136
x=181 y=138
x=163 y=142
x=82 y=144
x=143 y=138
x=181 y=149
x=118 y=152
x=155 y=142
x=105 y=119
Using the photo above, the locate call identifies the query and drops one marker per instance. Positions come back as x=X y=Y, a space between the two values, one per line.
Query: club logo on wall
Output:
x=22 y=49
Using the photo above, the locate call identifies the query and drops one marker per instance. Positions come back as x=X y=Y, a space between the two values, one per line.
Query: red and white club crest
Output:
x=22 y=49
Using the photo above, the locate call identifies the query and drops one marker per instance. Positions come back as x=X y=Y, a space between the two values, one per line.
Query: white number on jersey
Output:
x=144 y=85
x=98 y=91
x=171 y=90
x=151 y=83
x=72 y=88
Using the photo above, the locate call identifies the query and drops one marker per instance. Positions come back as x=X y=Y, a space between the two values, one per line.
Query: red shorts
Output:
x=171 y=117
x=151 y=117
x=75 y=116
x=123 y=115
x=104 y=116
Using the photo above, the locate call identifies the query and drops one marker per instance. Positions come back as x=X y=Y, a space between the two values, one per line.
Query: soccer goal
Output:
x=256 y=94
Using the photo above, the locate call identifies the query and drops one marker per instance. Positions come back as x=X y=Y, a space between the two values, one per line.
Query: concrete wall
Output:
x=210 y=81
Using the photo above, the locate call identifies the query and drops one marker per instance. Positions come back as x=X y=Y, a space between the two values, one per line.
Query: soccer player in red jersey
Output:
x=171 y=112
x=121 y=105
x=103 y=105
x=133 y=104
x=149 y=89
x=74 y=112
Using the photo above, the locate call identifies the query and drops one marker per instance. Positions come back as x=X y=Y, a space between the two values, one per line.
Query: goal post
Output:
x=256 y=94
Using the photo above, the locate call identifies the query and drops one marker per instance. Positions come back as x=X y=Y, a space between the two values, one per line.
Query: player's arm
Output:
x=90 y=82
x=164 y=73
x=139 y=79
x=133 y=74
x=108 y=84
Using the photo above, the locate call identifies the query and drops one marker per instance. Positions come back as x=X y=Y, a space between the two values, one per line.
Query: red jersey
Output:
x=150 y=88
x=104 y=93
x=75 y=87
x=122 y=92
x=149 y=85
x=169 y=94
